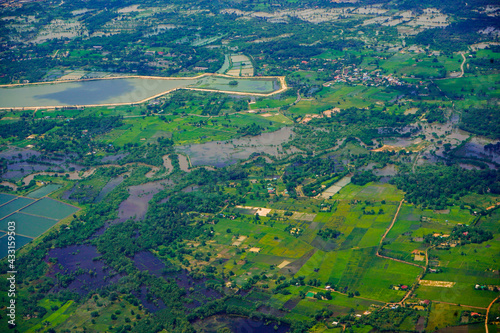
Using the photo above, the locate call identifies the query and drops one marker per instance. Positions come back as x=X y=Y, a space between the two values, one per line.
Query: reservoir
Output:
x=126 y=90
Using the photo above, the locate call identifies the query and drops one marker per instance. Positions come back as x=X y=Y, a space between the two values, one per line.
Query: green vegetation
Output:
x=363 y=198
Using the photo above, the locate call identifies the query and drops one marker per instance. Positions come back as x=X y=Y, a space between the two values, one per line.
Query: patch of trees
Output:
x=322 y=169
x=363 y=178
x=94 y=21
x=457 y=36
x=438 y=186
x=23 y=128
x=284 y=49
x=435 y=114
x=328 y=233
x=252 y=130
x=354 y=123
x=464 y=234
x=484 y=122
x=92 y=125
x=387 y=319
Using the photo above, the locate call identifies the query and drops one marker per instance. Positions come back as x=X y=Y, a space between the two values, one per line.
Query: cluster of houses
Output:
x=486 y=287
x=400 y=287
x=351 y=74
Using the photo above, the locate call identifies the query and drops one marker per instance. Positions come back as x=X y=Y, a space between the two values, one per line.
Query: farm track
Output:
x=398 y=260
x=488 y=312
x=392 y=224
x=462 y=305
x=415 y=162
x=462 y=66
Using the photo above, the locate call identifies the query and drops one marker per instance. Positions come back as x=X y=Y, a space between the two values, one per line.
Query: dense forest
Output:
x=484 y=122
x=438 y=186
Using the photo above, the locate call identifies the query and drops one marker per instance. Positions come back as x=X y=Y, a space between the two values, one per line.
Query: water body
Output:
x=126 y=90
x=118 y=90
x=222 y=153
x=244 y=85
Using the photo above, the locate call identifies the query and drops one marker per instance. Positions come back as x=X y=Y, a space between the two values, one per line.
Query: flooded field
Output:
x=475 y=148
x=18 y=166
x=197 y=292
x=148 y=300
x=136 y=205
x=109 y=187
x=183 y=163
x=223 y=153
x=239 y=324
x=80 y=258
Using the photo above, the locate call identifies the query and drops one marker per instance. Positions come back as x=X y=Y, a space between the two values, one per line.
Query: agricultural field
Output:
x=250 y=166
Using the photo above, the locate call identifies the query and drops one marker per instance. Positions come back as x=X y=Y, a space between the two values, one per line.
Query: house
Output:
x=404 y=287
x=425 y=302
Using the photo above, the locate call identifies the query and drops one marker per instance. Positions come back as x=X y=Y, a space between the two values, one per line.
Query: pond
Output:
x=136 y=205
x=244 y=85
x=126 y=90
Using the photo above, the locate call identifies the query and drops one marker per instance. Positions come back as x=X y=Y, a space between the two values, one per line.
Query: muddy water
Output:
x=136 y=205
x=389 y=170
x=75 y=175
x=11 y=185
x=167 y=163
x=183 y=163
x=223 y=153
x=475 y=149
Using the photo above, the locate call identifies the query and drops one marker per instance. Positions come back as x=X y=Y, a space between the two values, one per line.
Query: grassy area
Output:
x=54 y=319
x=271 y=103
x=188 y=129
x=99 y=314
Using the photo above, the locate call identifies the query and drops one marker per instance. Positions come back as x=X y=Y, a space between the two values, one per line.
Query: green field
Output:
x=46 y=190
